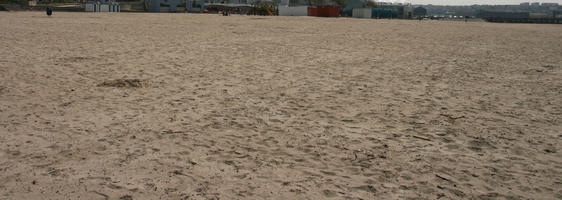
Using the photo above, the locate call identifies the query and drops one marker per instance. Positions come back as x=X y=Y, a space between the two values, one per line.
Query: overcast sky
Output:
x=470 y=2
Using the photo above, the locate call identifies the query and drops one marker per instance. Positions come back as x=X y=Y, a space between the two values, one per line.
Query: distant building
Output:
x=550 y=4
x=535 y=4
x=503 y=14
x=526 y=4
x=420 y=12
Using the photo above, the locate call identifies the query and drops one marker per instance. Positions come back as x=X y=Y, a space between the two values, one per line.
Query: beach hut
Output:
x=104 y=8
x=90 y=7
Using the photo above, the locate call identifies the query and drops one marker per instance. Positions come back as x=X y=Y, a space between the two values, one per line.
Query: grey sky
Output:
x=470 y=2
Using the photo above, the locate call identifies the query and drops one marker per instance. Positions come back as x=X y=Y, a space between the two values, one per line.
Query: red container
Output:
x=324 y=11
x=329 y=11
x=313 y=12
x=335 y=11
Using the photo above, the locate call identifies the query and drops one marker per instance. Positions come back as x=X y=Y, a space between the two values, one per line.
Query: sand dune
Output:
x=179 y=106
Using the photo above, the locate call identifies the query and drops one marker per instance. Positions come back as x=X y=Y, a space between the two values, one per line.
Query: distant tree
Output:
x=315 y=2
x=371 y=4
x=341 y=3
x=293 y=2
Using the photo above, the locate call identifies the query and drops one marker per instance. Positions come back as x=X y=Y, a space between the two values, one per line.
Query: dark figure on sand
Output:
x=49 y=11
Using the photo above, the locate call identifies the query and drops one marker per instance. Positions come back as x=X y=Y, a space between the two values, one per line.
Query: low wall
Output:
x=131 y=6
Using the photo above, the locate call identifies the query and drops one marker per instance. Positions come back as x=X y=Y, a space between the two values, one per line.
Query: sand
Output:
x=181 y=106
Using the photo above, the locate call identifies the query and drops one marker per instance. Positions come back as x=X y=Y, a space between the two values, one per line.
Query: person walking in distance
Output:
x=49 y=11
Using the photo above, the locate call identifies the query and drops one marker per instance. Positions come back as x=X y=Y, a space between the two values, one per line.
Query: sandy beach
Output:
x=197 y=106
